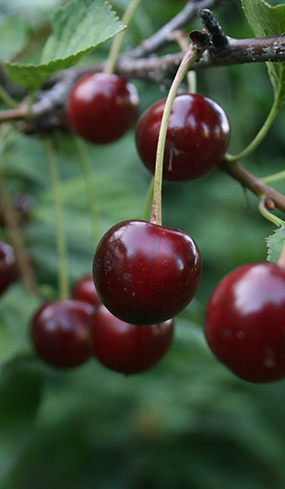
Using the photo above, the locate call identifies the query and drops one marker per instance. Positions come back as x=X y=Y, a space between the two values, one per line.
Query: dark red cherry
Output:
x=101 y=107
x=197 y=138
x=7 y=266
x=60 y=332
x=85 y=291
x=245 y=325
x=127 y=348
x=145 y=273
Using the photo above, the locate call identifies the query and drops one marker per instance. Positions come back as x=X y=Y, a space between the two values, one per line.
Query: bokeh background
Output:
x=189 y=422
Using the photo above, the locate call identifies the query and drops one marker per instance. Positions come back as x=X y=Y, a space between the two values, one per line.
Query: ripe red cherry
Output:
x=7 y=266
x=127 y=348
x=197 y=139
x=60 y=332
x=244 y=322
x=101 y=107
x=145 y=273
x=85 y=291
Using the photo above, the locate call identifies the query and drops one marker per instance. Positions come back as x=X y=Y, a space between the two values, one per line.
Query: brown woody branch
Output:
x=271 y=197
x=47 y=113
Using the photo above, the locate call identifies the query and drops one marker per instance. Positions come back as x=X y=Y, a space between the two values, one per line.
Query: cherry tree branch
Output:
x=237 y=51
x=272 y=199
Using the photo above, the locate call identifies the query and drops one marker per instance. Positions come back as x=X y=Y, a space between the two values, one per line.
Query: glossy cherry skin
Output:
x=197 y=139
x=85 y=291
x=245 y=325
x=101 y=107
x=144 y=273
x=60 y=332
x=7 y=266
x=127 y=348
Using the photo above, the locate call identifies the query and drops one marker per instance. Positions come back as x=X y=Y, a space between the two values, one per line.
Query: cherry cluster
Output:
x=145 y=274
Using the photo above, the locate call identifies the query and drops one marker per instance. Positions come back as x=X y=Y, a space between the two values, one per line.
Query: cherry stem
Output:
x=63 y=278
x=275 y=177
x=182 y=40
x=262 y=206
x=90 y=187
x=192 y=55
x=148 y=201
x=116 y=46
x=260 y=135
x=255 y=185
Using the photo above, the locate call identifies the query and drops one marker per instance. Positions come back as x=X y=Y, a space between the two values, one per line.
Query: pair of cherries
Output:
x=67 y=333
x=101 y=107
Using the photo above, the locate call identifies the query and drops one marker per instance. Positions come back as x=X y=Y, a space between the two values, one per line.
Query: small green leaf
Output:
x=275 y=244
x=268 y=21
x=78 y=28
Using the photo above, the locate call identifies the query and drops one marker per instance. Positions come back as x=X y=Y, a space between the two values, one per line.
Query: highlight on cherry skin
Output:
x=102 y=107
x=128 y=348
x=198 y=136
x=7 y=266
x=60 y=333
x=244 y=322
x=145 y=273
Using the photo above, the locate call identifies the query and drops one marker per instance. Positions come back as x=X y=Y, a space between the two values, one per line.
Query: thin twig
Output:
x=254 y=184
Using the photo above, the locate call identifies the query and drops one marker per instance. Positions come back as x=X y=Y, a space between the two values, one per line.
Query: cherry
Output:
x=7 y=266
x=85 y=291
x=198 y=136
x=127 y=348
x=101 y=107
x=60 y=332
x=145 y=273
x=244 y=323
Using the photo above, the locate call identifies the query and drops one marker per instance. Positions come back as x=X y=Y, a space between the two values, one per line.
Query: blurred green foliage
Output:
x=189 y=422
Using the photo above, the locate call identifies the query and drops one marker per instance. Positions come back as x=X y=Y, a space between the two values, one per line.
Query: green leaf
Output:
x=20 y=396
x=268 y=21
x=275 y=244
x=78 y=28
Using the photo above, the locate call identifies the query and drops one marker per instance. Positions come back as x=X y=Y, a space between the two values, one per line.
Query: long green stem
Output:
x=118 y=39
x=90 y=187
x=260 y=135
x=63 y=276
x=189 y=58
x=182 y=40
x=276 y=177
x=148 y=201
